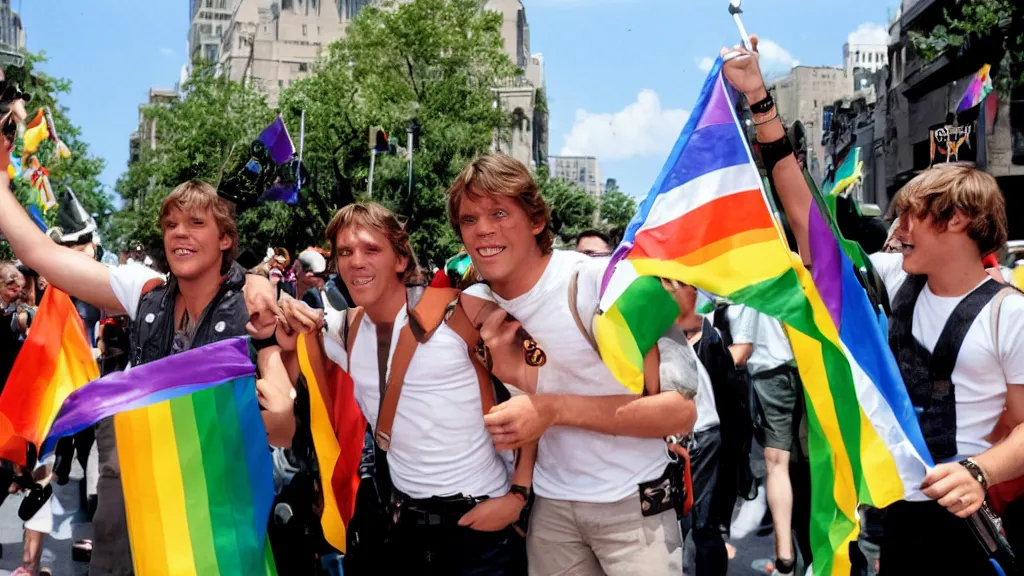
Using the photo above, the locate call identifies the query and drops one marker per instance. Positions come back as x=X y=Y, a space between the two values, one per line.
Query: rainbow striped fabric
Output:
x=707 y=222
x=196 y=471
x=977 y=90
x=54 y=361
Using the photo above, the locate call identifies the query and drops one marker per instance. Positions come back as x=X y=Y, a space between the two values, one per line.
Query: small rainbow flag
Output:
x=977 y=90
x=338 y=428
x=707 y=222
x=196 y=471
x=54 y=361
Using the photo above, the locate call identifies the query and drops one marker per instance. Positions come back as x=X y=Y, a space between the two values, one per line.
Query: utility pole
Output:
x=378 y=144
x=410 y=132
x=373 y=158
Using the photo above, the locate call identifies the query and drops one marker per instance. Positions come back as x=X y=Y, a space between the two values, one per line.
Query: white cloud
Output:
x=167 y=51
x=773 y=54
x=869 y=33
x=704 y=64
x=643 y=128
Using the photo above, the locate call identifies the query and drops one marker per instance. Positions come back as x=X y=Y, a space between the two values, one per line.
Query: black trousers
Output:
x=714 y=498
x=451 y=550
x=924 y=538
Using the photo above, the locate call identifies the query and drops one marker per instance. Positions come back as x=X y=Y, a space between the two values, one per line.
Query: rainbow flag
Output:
x=196 y=471
x=54 y=361
x=977 y=90
x=707 y=222
x=338 y=428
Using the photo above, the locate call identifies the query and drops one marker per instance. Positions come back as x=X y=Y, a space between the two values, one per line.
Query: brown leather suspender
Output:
x=437 y=305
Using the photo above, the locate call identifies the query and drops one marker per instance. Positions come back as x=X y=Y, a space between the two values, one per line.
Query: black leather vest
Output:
x=152 y=332
x=928 y=376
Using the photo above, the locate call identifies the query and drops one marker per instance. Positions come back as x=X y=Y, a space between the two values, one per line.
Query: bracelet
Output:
x=774 y=152
x=763 y=106
x=767 y=120
x=522 y=492
x=259 y=345
x=976 y=472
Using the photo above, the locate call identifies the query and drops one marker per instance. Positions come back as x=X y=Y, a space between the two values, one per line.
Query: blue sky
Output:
x=621 y=74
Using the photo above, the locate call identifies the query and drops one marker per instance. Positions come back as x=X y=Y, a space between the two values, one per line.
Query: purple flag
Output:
x=279 y=144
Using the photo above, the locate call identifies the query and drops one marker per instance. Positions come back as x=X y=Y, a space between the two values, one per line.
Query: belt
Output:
x=433 y=511
x=777 y=371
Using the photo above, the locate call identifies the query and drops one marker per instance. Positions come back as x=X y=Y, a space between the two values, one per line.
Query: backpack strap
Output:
x=433 y=305
x=353 y=319
x=574 y=288
x=514 y=369
x=997 y=302
x=947 y=348
x=459 y=322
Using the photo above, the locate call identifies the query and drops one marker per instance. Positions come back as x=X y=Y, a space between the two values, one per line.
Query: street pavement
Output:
x=68 y=526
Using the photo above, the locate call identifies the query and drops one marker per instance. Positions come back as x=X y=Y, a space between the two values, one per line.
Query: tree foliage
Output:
x=970 y=21
x=432 y=60
x=617 y=209
x=573 y=210
x=81 y=171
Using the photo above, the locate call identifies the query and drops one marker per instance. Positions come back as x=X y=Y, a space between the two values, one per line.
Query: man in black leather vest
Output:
x=202 y=302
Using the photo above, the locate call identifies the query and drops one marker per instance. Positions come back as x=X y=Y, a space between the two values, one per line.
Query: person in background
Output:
x=310 y=269
x=11 y=285
x=594 y=243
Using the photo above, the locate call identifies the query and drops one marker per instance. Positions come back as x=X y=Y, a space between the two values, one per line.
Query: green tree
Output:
x=81 y=171
x=433 y=60
x=573 y=210
x=203 y=134
x=989 y=23
x=617 y=209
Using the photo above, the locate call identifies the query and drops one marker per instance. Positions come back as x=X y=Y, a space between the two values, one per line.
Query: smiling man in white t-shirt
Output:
x=602 y=449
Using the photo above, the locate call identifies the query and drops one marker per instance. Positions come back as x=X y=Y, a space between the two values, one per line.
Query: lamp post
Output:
x=411 y=130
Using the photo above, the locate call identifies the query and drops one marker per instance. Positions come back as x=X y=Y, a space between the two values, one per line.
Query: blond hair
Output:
x=376 y=217
x=501 y=175
x=941 y=191
x=196 y=195
x=9 y=274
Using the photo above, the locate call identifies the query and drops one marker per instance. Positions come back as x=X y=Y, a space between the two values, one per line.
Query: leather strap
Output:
x=997 y=302
x=460 y=324
x=574 y=289
x=404 y=351
x=512 y=370
x=353 y=319
x=429 y=312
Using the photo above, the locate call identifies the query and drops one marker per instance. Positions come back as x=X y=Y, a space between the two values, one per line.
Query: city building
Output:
x=923 y=126
x=583 y=171
x=865 y=53
x=146 y=132
x=12 y=36
x=274 y=43
x=802 y=95
x=209 y=20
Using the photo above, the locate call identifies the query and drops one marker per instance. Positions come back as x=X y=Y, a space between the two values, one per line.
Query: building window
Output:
x=303 y=67
x=220 y=30
x=280 y=84
x=305 y=30
x=286 y=4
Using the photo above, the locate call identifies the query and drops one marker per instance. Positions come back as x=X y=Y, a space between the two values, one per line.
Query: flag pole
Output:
x=735 y=10
x=302 y=144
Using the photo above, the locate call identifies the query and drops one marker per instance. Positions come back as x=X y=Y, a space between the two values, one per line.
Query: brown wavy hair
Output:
x=201 y=196
x=940 y=191
x=499 y=174
x=375 y=216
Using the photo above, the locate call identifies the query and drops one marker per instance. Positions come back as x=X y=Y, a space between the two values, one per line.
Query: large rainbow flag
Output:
x=196 y=471
x=54 y=361
x=707 y=222
x=979 y=88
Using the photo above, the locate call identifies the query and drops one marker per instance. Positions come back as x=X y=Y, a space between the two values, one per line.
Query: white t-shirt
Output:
x=981 y=374
x=127 y=283
x=771 y=346
x=573 y=463
x=439 y=446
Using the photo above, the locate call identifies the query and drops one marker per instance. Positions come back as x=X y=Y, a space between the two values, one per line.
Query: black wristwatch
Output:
x=976 y=472
x=521 y=491
x=265 y=343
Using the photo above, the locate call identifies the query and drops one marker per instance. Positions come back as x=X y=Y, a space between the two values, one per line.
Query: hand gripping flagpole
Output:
x=735 y=10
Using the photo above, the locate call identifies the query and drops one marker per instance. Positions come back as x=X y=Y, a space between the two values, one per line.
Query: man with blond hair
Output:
x=207 y=298
x=959 y=345
x=604 y=479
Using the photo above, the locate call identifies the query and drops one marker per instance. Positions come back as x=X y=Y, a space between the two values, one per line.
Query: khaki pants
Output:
x=581 y=539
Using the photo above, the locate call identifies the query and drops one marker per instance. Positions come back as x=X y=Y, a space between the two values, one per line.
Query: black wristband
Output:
x=265 y=343
x=773 y=152
x=763 y=106
x=520 y=491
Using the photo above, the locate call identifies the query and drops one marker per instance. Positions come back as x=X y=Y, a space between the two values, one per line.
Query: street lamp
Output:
x=412 y=130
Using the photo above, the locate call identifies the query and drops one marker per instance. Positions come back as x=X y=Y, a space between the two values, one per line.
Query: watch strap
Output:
x=521 y=491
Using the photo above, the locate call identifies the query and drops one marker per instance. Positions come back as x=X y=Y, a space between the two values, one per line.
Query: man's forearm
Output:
x=523 y=474
x=1004 y=461
x=657 y=416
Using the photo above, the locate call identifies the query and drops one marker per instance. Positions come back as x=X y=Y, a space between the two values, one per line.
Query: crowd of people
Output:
x=498 y=442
